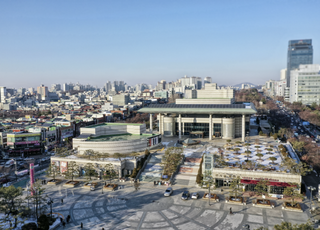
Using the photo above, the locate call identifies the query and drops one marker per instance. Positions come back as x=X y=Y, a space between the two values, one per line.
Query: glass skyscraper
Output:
x=299 y=52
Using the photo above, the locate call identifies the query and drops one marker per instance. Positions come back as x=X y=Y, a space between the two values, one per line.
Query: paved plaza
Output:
x=147 y=208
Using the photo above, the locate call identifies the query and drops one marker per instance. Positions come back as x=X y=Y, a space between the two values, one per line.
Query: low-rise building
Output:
x=24 y=143
x=115 y=138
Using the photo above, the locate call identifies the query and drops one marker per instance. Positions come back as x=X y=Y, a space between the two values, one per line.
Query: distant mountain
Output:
x=240 y=84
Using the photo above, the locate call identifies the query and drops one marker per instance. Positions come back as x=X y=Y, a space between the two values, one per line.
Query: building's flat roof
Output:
x=200 y=108
x=111 y=124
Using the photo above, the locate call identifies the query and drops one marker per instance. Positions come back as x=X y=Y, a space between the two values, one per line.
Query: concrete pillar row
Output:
x=151 y=125
x=243 y=128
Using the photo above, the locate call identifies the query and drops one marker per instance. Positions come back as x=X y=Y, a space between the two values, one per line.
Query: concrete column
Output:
x=120 y=172
x=151 y=125
x=243 y=128
x=210 y=127
x=221 y=128
x=160 y=128
x=183 y=128
x=179 y=126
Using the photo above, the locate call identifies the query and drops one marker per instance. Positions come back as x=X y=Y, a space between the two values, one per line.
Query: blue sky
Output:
x=45 y=42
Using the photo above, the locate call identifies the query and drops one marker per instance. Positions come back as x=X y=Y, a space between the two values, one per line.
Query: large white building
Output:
x=279 y=87
x=305 y=84
x=283 y=74
x=3 y=94
x=210 y=112
x=191 y=82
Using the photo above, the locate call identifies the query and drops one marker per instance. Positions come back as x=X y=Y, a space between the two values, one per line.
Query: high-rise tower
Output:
x=299 y=52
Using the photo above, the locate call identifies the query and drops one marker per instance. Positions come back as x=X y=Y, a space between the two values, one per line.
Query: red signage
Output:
x=24 y=143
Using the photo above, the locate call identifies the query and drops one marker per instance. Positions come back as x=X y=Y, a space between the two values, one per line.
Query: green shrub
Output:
x=275 y=136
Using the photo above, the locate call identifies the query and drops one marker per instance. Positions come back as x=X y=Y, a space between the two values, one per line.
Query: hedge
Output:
x=199 y=176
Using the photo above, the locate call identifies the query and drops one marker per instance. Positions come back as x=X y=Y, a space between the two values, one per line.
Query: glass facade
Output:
x=299 y=52
x=217 y=130
x=190 y=127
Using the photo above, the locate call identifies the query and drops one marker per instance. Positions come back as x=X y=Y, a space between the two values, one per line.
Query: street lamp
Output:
x=311 y=188
x=209 y=181
x=15 y=167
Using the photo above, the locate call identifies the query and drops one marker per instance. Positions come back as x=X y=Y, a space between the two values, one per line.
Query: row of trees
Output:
x=94 y=155
x=308 y=151
x=171 y=159
x=308 y=113
x=73 y=171
x=261 y=103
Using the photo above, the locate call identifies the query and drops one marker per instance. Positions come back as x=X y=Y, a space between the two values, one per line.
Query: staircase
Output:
x=188 y=171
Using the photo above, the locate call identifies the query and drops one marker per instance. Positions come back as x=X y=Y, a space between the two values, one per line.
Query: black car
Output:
x=185 y=195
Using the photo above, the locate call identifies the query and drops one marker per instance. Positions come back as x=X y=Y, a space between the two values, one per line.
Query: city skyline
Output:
x=234 y=42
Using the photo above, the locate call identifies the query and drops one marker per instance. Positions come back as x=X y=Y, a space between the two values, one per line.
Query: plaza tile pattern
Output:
x=147 y=208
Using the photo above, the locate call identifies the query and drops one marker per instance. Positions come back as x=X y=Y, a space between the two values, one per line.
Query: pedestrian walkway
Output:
x=153 y=169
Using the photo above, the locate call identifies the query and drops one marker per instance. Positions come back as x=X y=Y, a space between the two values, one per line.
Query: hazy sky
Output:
x=147 y=41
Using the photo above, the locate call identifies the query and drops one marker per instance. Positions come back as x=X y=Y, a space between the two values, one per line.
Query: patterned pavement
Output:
x=147 y=208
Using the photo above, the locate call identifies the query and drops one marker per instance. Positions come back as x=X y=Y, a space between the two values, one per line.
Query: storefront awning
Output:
x=281 y=184
x=271 y=183
x=249 y=181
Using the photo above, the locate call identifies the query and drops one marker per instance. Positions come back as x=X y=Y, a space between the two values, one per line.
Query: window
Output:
x=276 y=190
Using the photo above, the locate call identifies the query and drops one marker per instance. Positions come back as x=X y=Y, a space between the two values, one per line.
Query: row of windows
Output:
x=309 y=74
x=22 y=139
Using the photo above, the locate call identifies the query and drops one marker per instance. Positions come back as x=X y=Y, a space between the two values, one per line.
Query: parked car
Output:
x=168 y=192
x=4 y=180
x=185 y=195
x=195 y=195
